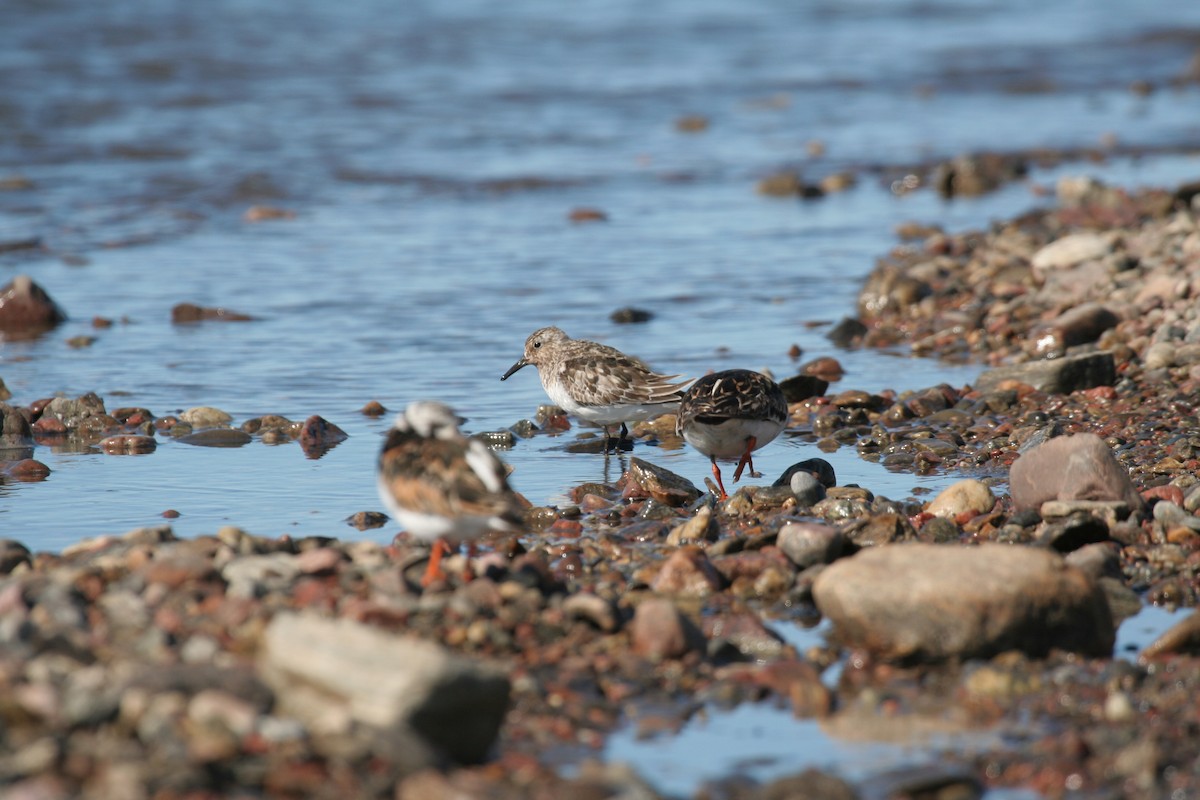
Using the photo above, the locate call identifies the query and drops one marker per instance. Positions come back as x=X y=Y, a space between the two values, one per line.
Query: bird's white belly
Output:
x=604 y=414
x=728 y=439
x=429 y=527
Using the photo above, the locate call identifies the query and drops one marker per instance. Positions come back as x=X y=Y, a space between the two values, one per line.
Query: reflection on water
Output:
x=764 y=741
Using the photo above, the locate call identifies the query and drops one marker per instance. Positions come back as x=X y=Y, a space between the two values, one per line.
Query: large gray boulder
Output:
x=329 y=673
x=923 y=602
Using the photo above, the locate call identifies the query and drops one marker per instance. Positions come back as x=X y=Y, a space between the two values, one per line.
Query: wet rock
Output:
x=819 y=468
x=745 y=632
x=1079 y=467
x=332 y=672
x=1182 y=638
x=373 y=408
x=585 y=214
x=781 y=184
x=216 y=437
x=687 y=573
x=261 y=213
x=931 y=602
x=847 y=333
x=702 y=527
x=318 y=436
x=827 y=368
x=127 y=444
x=966 y=498
x=660 y=631
x=809 y=543
x=799 y=388
x=27 y=470
x=367 y=520
x=630 y=315
x=807 y=490
x=205 y=417
x=1054 y=376
x=72 y=412
x=26 y=309
x=648 y=480
x=876 y=529
x=1081 y=325
x=184 y=313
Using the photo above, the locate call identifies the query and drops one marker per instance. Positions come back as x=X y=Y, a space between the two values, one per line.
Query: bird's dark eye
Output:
x=536 y=345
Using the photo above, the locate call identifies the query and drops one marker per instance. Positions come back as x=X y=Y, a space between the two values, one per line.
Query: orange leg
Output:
x=434 y=571
x=746 y=460
x=717 y=475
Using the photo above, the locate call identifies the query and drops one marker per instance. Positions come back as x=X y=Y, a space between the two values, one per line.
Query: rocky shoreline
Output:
x=239 y=666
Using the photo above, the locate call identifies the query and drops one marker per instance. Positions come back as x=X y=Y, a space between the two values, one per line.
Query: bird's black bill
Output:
x=514 y=368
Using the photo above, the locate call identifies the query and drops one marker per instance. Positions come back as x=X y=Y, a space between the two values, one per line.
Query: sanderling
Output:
x=598 y=383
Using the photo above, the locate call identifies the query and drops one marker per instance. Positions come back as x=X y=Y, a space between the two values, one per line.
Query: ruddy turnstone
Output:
x=729 y=415
x=598 y=383
x=442 y=486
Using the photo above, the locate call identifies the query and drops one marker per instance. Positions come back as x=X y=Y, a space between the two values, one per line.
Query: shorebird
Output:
x=442 y=486
x=598 y=383
x=729 y=415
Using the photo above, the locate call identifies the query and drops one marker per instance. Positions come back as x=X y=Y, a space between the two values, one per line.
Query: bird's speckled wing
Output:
x=435 y=476
x=732 y=394
x=617 y=379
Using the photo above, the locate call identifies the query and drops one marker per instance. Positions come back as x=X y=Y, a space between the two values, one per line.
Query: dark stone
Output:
x=630 y=315
x=799 y=388
x=1055 y=375
x=847 y=333
x=821 y=469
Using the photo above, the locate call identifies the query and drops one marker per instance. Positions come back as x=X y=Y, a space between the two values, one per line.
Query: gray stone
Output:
x=1055 y=375
x=333 y=672
x=922 y=602
x=809 y=543
x=254 y=576
x=1079 y=467
x=807 y=490
x=1071 y=250
x=205 y=417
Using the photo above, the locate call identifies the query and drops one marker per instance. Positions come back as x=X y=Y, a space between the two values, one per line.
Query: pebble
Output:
x=660 y=631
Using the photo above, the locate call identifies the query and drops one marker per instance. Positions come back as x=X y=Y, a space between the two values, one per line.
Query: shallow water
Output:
x=431 y=158
x=431 y=154
x=764 y=741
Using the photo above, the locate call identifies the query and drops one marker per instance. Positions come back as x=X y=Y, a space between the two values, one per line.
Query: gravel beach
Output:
x=233 y=665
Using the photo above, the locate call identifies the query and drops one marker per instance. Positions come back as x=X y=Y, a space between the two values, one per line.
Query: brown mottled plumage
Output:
x=440 y=485
x=729 y=415
x=596 y=382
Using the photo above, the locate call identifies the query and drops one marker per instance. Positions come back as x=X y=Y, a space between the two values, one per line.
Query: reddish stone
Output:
x=26 y=308
x=189 y=312
x=688 y=573
x=1172 y=494
x=587 y=215
x=51 y=425
x=566 y=527
x=318 y=436
x=27 y=469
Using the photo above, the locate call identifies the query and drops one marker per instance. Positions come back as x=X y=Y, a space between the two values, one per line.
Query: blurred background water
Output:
x=431 y=154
